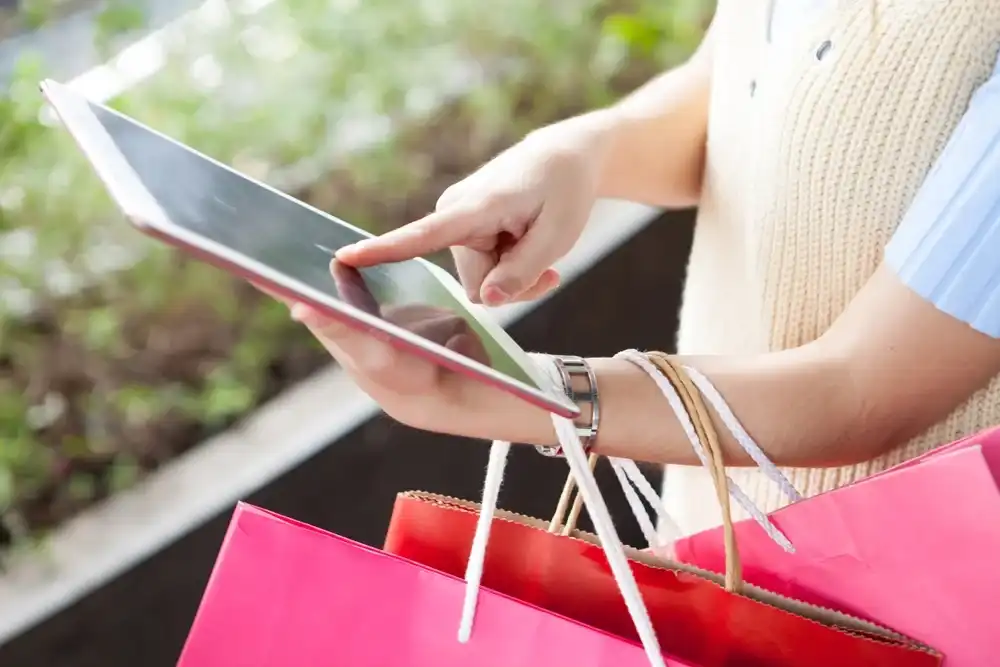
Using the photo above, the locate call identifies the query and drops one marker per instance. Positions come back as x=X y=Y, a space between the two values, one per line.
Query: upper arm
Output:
x=924 y=333
x=907 y=363
x=947 y=248
x=658 y=149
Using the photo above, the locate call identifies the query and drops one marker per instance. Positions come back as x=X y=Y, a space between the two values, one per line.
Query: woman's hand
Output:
x=510 y=221
x=420 y=393
x=408 y=387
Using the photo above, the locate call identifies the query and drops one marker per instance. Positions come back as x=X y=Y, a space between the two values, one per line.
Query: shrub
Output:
x=117 y=354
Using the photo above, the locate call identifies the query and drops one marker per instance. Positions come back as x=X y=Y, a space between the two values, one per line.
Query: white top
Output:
x=788 y=16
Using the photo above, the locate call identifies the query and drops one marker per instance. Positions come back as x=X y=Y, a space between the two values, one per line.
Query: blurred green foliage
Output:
x=104 y=373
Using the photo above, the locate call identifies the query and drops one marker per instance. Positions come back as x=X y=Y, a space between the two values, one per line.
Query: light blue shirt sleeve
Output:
x=947 y=247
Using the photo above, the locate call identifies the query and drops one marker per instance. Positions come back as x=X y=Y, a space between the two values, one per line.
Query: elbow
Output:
x=867 y=434
x=851 y=423
x=870 y=419
x=680 y=185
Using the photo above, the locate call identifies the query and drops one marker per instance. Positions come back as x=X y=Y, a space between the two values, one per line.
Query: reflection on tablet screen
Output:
x=434 y=323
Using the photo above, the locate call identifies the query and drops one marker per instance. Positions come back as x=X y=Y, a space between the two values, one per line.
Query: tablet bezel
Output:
x=142 y=210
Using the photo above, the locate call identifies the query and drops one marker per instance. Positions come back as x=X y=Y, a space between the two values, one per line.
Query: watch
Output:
x=580 y=385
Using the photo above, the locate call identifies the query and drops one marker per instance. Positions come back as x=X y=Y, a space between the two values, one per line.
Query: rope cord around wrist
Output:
x=685 y=390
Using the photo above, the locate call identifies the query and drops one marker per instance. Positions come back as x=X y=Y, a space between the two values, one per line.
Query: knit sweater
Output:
x=816 y=147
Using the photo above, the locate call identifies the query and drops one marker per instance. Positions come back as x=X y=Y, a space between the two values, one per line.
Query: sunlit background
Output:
x=118 y=355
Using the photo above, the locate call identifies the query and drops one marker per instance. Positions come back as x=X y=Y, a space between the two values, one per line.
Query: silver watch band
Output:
x=580 y=384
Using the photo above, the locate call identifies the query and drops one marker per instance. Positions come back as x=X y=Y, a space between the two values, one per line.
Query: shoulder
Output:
x=947 y=247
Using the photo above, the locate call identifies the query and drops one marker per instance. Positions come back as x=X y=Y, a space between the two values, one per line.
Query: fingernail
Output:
x=352 y=249
x=494 y=295
x=298 y=311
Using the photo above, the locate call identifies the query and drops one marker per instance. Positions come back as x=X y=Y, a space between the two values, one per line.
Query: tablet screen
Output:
x=225 y=207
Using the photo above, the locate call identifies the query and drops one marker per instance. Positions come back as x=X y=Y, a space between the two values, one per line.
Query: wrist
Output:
x=590 y=135
x=575 y=378
x=474 y=409
x=498 y=415
x=607 y=140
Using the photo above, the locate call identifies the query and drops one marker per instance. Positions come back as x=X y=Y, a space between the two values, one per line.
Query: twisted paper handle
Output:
x=629 y=478
x=685 y=396
x=653 y=364
x=581 y=470
x=625 y=468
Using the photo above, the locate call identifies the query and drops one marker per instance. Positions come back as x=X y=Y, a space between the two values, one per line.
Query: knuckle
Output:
x=426 y=233
x=499 y=201
x=450 y=195
x=379 y=366
x=377 y=359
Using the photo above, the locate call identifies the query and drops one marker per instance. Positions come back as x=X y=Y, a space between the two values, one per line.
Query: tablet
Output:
x=254 y=231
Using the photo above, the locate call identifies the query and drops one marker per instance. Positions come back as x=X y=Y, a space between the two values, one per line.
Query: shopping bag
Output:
x=695 y=618
x=285 y=594
x=699 y=617
x=914 y=547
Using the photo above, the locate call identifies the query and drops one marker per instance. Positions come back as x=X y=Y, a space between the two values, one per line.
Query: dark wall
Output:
x=630 y=299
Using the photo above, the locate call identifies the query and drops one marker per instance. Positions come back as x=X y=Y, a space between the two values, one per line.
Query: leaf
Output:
x=81 y=487
x=8 y=488
x=102 y=329
x=639 y=33
x=225 y=396
x=118 y=18
x=124 y=473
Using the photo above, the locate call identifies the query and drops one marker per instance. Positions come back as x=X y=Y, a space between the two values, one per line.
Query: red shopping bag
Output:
x=696 y=619
x=686 y=612
x=914 y=547
x=285 y=594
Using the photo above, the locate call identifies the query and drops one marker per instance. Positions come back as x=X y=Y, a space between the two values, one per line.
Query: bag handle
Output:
x=580 y=468
x=704 y=388
x=629 y=478
x=686 y=389
x=706 y=434
x=686 y=400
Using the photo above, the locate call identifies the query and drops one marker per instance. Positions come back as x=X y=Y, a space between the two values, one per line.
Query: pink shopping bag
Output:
x=285 y=594
x=915 y=547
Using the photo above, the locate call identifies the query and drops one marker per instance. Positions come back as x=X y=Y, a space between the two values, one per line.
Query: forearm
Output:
x=650 y=146
x=799 y=405
x=655 y=151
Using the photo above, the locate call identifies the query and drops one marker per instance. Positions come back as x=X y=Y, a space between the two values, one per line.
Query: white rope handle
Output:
x=668 y=390
x=606 y=533
x=635 y=504
x=576 y=457
x=734 y=426
x=628 y=474
x=670 y=530
x=477 y=556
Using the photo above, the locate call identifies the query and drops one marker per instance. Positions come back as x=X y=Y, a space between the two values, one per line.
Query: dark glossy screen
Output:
x=296 y=241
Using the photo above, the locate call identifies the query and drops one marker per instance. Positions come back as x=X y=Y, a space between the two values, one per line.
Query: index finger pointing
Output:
x=428 y=235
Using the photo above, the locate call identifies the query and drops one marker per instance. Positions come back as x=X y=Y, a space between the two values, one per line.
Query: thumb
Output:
x=437 y=231
x=519 y=268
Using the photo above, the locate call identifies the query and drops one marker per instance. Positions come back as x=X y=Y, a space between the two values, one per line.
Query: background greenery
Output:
x=117 y=354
